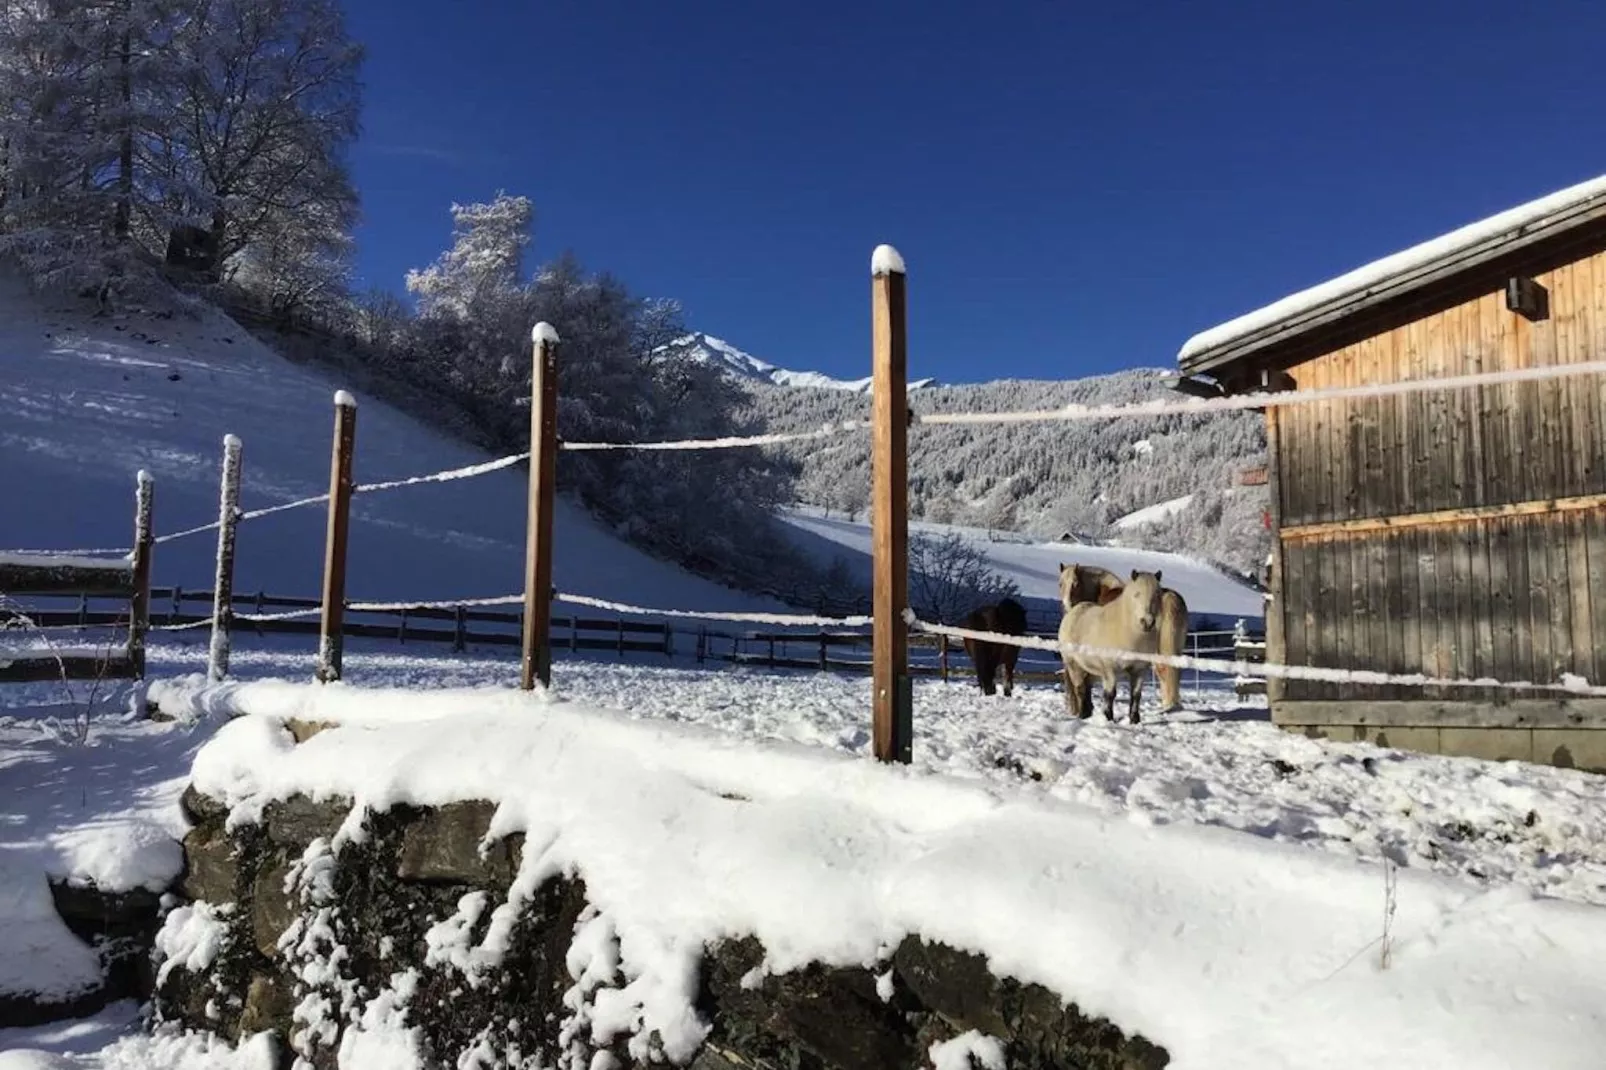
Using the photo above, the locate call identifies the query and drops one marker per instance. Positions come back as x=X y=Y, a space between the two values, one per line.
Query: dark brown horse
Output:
x=1006 y=618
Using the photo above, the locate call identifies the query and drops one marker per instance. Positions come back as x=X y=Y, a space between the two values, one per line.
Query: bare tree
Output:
x=949 y=576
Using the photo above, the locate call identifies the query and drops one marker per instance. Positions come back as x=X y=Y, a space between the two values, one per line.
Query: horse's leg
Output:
x=987 y=667
x=1134 y=688
x=1010 y=654
x=1110 y=685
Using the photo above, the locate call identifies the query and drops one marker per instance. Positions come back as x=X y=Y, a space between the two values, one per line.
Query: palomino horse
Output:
x=1006 y=618
x=1127 y=622
x=1087 y=583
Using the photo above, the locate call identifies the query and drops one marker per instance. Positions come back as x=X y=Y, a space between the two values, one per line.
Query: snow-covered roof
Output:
x=1393 y=275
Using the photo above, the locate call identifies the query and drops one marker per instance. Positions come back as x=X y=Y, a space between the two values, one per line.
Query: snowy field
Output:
x=98 y=798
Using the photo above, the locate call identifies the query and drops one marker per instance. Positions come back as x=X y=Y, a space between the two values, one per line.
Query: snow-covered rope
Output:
x=114 y=552
x=186 y=533
x=407 y=607
x=828 y=431
x=250 y=618
x=257 y=514
x=748 y=618
x=1189 y=406
x=466 y=472
x=204 y=622
x=263 y=618
x=1570 y=684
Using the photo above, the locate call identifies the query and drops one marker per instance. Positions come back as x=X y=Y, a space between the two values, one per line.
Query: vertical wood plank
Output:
x=1427 y=566
x=1581 y=637
x=1594 y=523
x=1502 y=601
x=891 y=695
x=1558 y=581
x=331 y=637
x=1296 y=596
x=1277 y=613
x=1475 y=546
x=535 y=662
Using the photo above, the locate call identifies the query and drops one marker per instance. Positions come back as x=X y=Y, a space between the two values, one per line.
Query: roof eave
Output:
x=1263 y=344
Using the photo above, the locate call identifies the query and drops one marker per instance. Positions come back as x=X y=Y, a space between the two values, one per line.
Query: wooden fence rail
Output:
x=826 y=650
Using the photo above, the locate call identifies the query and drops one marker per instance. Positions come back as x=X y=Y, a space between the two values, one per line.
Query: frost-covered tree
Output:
x=485 y=264
x=949 y=576
x=267 y=100
x=125 y=124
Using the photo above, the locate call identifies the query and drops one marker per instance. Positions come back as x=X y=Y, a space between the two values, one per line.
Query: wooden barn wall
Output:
x=1420 y=452
x=1514 y=597
x=1511 y=598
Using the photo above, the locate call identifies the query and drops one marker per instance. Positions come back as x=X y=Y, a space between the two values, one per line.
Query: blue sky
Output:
x=1076 y=187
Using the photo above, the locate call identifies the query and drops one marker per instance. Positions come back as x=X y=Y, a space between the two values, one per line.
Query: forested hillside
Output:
x=1048 y=478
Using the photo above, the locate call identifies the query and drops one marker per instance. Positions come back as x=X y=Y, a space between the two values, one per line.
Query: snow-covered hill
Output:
x=90 y=401
x=710 y=350
x=1048 y=478
x=1034 y=566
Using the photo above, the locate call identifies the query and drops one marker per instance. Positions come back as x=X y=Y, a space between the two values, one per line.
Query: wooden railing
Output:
x=463 y=627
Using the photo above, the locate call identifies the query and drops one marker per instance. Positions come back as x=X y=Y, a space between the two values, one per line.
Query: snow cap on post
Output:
x=231 y=441
x=886 y=261
x=544 y=332
x=344 y=399
x=143 y=477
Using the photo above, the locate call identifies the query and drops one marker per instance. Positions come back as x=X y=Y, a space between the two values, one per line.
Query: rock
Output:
x=268 y=1005
x=211 y=866
x=20 y=1010
x=301 y=731
x=273 y=910
x=298 y=821
x=202 y=809
x=96 y=915
x=444 y=845
x=1040 y=1028
x=833 y=1016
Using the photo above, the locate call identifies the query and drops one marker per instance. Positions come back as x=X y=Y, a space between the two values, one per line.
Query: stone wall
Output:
x=323 y=949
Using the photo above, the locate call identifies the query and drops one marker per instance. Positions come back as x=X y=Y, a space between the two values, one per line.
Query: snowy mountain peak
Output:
x=717 y=351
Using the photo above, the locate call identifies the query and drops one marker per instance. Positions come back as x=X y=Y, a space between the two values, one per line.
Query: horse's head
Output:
x=1144 y=591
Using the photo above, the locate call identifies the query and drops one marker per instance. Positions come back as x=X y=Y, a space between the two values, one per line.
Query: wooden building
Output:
x=1457 y=533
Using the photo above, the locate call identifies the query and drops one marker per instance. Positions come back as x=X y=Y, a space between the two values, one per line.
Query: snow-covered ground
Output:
x=1034 y=566
x=1152 y=514
x=90 y=402
x=1280 y=877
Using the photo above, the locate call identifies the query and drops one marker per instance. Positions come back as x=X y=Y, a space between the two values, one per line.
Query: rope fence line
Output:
x=1570 y=683
x=746 y=618
x=729 y=442
x=1278 y=399
x=407 y=607
x=1138 y=410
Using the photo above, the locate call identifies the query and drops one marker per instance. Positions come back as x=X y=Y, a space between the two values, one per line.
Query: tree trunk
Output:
x=125 y=156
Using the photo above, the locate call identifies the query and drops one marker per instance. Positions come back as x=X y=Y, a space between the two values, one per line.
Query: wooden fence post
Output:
x=536 y=661
x=942 y=656
x=330 y=638
x=139 y=609
x=893 y=712
x=217 y=661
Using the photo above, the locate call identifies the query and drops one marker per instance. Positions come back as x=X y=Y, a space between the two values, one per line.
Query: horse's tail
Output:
x=1173 y=627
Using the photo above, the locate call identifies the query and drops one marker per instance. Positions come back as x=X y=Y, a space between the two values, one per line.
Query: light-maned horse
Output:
x=1008 y=617
x=1088 y=583
x=1129 y=622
